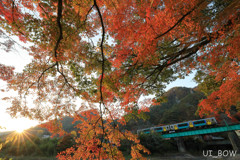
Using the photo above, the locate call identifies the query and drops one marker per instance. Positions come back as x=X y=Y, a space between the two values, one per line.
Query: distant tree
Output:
x=66 y=142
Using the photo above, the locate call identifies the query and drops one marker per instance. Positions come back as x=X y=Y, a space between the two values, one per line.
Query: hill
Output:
x=181 y=105
x=66 y=124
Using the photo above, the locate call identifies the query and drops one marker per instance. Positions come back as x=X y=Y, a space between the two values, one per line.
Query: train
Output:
x=206 y=122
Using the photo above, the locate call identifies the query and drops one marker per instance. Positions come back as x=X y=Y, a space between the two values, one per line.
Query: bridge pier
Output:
x=234 y=141
x=180 y=144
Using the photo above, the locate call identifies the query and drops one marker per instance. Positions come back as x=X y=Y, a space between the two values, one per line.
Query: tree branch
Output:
x=103 y=69
x=59 y=16
x=180 y=20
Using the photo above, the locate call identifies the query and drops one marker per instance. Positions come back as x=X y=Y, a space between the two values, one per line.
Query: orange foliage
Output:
x=153 y=41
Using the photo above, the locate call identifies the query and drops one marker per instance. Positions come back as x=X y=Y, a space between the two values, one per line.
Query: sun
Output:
x=20 y=130
x=21 y=125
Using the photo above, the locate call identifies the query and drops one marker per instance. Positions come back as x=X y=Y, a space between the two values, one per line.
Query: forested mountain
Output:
x=181 y=104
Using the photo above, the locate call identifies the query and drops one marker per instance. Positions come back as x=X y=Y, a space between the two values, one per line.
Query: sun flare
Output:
x=19 y=124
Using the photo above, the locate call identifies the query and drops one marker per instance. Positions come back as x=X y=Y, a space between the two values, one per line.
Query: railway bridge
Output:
x=230 y=129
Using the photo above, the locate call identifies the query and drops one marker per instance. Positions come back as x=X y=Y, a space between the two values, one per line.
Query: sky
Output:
x=19 y=58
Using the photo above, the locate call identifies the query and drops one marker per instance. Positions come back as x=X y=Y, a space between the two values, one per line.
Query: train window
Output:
x=158 y=129
x=183 y=125
x=199 y=122
x=167 y=127
x=146 y=130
